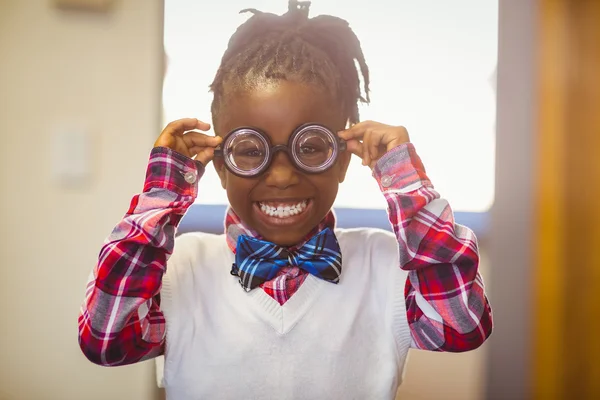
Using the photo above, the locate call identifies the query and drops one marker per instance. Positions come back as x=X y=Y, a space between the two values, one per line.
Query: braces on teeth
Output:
x=283 y=211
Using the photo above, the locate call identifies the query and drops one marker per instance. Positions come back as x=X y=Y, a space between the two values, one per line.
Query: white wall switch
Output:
x=72 y=157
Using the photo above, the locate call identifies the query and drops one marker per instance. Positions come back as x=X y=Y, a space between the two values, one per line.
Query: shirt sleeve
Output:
x=446 y=304
x=120 y=321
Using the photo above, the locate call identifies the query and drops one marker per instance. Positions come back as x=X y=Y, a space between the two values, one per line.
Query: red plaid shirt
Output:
x=121 y=321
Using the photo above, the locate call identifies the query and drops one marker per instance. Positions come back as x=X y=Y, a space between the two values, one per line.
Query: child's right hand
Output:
x=181 y=137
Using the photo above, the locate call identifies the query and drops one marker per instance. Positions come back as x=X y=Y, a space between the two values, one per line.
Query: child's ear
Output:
x=343 y=163
x=221 y=170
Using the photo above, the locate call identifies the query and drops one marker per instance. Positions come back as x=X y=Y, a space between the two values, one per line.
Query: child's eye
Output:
x=252 y=152
x=307 y=150
x=310 y=149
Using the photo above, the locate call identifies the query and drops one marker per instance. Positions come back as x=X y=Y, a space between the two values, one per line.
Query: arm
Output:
x=120 y=320
x=447 y=308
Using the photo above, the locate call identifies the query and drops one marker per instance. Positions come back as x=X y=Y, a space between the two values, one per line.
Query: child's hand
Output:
x=180 y=137
x=370 y=140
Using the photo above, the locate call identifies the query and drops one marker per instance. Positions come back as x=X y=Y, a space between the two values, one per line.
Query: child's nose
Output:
x=281 y=173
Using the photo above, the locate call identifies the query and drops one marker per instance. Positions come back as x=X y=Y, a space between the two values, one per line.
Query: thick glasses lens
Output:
x=246 y=151
x=314 y=148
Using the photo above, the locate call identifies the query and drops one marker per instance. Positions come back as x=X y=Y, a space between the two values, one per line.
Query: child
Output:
x=283 y=304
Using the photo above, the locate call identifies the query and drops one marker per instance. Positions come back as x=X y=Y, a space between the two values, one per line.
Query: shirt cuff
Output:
x=401 y=169
x=173 y=171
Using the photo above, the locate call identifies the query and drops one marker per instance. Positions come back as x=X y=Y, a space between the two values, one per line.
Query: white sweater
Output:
x=344 y=341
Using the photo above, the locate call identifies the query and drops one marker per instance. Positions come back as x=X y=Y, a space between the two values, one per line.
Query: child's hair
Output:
x=320 y=50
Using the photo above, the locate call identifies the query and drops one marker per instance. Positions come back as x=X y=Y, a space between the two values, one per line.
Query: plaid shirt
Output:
x=121 y=322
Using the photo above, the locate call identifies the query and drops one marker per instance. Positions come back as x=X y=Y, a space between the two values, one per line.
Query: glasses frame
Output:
x=339 y=145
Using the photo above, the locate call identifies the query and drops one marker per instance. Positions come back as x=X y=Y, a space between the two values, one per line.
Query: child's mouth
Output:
x=280 y=209
x=283 y=213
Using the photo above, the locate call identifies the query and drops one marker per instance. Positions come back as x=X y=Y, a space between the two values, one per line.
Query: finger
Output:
x=356 y=131
x=197 y=139
x=367 y=138
x=374 y=144
x=179 y=126
x=205 y=154
x=203 y=126
x=355 y=147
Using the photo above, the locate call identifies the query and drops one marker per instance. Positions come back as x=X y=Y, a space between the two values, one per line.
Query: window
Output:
x=432 y=65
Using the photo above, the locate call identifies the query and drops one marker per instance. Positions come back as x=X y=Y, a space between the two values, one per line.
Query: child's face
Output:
x=278 y=109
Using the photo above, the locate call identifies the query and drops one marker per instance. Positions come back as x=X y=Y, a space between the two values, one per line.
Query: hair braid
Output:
x=322 y=50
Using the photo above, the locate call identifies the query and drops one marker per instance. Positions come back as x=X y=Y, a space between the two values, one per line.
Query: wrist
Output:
x=400 y=168
x=168 y=169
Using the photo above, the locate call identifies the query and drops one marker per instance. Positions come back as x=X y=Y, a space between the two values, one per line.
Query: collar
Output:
x=234 y=227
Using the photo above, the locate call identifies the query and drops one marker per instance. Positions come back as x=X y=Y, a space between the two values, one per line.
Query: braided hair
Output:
x=322 y=51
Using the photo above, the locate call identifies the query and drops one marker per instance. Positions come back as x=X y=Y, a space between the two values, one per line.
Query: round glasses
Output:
x=248 y=152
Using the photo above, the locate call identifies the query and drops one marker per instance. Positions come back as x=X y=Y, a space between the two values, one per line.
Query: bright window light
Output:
x=432 y=69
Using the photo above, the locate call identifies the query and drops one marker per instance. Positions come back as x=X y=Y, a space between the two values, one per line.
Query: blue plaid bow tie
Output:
x=257 y=261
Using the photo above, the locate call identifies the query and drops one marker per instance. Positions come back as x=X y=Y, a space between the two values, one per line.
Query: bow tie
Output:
x=258 y=261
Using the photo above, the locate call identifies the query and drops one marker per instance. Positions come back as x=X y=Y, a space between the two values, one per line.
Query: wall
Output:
x=545 y=221
x=102 y=74
x=567 y=262
x=511 y=235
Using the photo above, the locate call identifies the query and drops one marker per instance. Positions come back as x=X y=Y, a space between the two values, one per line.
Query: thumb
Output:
x=355 y=147
x=205 y=155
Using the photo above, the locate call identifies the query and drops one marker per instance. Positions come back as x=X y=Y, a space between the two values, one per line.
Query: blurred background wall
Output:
x=508 y=372
x=567 y=226
x=545 y=231
x=95 y=79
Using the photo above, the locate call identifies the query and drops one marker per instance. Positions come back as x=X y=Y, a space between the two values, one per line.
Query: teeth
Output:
x=283 y=210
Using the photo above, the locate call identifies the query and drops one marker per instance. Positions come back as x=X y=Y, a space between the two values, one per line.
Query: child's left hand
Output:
x=370 y=140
